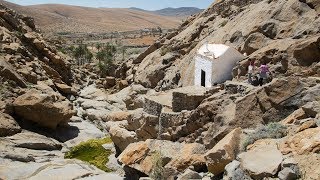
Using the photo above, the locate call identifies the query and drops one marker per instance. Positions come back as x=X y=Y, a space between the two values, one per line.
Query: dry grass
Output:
x=56 y=18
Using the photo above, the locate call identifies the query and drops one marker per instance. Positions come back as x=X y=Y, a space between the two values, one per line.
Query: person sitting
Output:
x=264 y=70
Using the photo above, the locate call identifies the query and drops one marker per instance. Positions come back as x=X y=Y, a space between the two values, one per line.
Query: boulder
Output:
x=110 y=82
x=122 y=84
x=8 y=126
x=149 y=127
x=173 y=155
x=65 y=89
x=263 y=159
x=47 y=110
x=307 y=141
x=189 y=174
x=287 y=174
x=120 y=136
x=188 y=98
x=294 y=117
x=35 y=141
x=312 y=108
x=254 y=42
x=118 y=116
x=154 y=104
x=307 y=52
x=223 y=152
x=8 y=72
x=233 y=172
x=309 y=123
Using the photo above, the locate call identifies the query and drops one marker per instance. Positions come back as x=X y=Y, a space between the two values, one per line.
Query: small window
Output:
x=203 y=78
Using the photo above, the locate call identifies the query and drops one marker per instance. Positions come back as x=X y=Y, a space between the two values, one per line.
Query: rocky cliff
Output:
x=285 y=34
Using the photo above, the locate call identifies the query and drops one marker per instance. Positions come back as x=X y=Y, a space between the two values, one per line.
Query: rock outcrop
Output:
x=26 y=57
x=47 y=110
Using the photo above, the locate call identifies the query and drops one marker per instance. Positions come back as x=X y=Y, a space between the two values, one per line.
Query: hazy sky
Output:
x=144 y=4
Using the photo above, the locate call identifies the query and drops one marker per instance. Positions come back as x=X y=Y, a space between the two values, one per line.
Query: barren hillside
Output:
x=54 y=18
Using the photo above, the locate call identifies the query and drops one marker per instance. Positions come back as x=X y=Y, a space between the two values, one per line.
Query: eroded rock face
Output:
x=47 y=110
x=174 y=155
x=8 y=126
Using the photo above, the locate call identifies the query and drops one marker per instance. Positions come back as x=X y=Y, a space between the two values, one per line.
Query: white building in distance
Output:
x=214 y=64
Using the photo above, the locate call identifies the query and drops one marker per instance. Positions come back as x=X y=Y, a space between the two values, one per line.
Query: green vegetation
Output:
x=158 y=170
x=223 y=23
x=105 y=56
x=165 y=50
x=272 y=130
x=82 y=54
x=92 y=152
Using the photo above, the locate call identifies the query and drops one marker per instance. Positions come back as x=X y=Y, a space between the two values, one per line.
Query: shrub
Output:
x=164 y=50
x=158 y=170
x=223 y=23
x=272 y=130
x=92 y=152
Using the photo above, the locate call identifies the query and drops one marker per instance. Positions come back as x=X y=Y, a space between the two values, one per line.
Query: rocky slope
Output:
x=283 y=33
x=37 y=119
x=230 y=131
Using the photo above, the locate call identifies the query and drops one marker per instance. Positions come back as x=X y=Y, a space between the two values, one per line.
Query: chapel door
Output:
x=203 y=78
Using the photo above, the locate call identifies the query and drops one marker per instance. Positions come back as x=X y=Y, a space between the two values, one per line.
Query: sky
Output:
x=144 y=4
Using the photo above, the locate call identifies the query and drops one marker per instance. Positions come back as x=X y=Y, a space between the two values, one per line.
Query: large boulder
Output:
x=307 y=141
x=120 y=136
x=188 y=98
x=223 y=152
x=263 y=159
x=46 y=109
x=173 y=155
x=8 y=126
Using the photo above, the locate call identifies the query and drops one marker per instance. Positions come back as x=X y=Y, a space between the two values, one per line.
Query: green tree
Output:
x=82 y=54
x=105 y=57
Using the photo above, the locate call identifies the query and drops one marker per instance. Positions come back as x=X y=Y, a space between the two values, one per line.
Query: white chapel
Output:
x=214 y=64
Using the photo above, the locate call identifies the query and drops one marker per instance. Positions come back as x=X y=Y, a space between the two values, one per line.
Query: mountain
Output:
x=182 y=12
x=178 y=12
x=55 y=18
